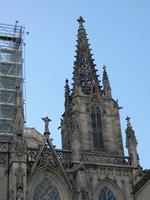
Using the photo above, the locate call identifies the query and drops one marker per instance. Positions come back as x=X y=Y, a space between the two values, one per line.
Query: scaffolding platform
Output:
x=11 y=71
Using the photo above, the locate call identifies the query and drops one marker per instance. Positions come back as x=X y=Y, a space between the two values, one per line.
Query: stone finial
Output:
x=131 y=143
x=80 y=20
x=67 y=93
x=128 y=122
x=46 y=120
x=105 y=76
x=106 y=83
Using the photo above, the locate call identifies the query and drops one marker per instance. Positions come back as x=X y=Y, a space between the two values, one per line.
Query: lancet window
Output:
x=97 y=128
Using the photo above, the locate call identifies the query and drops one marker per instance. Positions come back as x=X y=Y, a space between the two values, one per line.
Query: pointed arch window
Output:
x=46 y=190
x=106 y=194
x=98 y=141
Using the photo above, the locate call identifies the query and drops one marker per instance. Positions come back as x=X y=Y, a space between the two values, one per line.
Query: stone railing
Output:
x=65 y=157
x=104 y=159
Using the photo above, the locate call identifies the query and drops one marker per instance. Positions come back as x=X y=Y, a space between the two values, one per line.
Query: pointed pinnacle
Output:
x=105 y=76
x=67 y=92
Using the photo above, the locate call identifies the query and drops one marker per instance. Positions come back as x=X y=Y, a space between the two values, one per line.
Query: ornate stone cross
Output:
x=46 y=120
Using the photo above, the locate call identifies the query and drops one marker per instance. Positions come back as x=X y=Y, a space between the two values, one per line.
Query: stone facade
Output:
x=141 y=189
x=91 y=164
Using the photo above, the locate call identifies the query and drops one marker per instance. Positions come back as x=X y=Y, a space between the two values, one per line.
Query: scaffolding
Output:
x=11 y=71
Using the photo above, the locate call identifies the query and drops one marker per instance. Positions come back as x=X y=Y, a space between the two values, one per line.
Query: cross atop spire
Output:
x=129 y=129
x=80 y=20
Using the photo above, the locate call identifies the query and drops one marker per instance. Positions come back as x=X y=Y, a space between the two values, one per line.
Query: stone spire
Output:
x=18 y=116
x=131 y=144
x=106 y=84
x=84 y=74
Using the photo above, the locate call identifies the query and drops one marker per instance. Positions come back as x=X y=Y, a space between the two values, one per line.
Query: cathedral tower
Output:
x=91 y=120
x=91 y=130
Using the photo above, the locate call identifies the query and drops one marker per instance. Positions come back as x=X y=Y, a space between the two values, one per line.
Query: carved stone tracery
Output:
x=106 y=193
x=47 y=157
x=19 y=149
x=46 y=190
x=19 y=183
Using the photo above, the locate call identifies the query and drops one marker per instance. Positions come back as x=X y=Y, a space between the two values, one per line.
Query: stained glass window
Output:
x=46 y=190
x=106 y=194
x=97 y=129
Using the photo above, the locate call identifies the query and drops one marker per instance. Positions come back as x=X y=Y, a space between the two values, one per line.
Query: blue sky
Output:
x=119 y=34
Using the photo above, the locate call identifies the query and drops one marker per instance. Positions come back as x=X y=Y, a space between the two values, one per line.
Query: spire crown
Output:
x=81 y=27
x=84 y=68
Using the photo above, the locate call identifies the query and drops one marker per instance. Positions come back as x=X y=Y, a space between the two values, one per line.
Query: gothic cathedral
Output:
x=91 y=164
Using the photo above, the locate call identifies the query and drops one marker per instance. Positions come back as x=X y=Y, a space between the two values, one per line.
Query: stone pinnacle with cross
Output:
x=128 y=121
x=46 y=120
